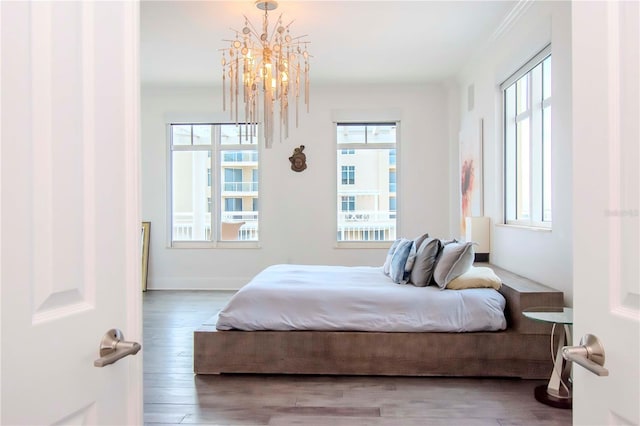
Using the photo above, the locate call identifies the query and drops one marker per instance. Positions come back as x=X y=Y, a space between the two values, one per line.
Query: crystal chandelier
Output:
x=267 y=64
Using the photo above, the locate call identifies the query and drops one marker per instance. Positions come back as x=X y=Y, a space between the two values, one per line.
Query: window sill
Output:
x=215 y=245
x=524 y=227
x=363 y=245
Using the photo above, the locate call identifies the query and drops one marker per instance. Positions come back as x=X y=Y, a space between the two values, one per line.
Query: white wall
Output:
x=544 y=256
x=298 y=210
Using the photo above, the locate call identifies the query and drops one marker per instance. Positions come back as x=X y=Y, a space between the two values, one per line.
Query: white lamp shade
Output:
x=478 y=231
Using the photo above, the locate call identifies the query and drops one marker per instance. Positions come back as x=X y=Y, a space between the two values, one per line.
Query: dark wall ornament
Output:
x=298 y=159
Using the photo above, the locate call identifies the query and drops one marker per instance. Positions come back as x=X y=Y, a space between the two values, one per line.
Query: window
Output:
x=232 y=179
x=366 y=205
x=233 y=204
x=392 y=179
x=348 y=175
x=392 y=158
x=254 y=182
x=348 y=203
x=214 y=173
x=527 y=143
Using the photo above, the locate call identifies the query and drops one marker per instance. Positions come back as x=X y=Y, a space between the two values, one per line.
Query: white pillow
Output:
x=476 y=277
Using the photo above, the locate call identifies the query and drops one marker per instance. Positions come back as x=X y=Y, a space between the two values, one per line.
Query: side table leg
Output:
x=554 y=387
x=566 y=369
x=557 y=392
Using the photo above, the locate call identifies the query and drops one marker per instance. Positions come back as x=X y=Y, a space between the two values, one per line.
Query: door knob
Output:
x=113 y=347
x=589 y=354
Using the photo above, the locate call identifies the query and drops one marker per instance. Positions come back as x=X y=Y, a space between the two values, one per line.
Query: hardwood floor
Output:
x=174 y=395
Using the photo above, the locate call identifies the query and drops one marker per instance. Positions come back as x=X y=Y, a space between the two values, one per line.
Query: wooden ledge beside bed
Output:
x=521 y=350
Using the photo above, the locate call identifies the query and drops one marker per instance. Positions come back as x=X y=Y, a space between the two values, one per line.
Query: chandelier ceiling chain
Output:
x=270 y=64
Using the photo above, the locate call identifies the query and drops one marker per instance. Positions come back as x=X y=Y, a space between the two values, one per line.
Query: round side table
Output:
x=557 y=393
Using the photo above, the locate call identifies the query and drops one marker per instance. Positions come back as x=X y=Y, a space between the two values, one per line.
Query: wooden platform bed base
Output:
x=522 y=350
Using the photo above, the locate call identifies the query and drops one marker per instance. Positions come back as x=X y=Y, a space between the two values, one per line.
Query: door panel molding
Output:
x=62 y=138
x=624 y=155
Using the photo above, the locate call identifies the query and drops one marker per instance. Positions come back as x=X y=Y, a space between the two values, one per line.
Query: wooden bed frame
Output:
x=522 y=350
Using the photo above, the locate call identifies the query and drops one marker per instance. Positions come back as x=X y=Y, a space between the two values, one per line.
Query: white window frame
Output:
x=534 y=112
x=342 y=147
x=216 y=149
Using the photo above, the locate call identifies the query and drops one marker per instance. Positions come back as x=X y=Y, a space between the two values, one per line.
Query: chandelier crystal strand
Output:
x=224 y=89
x=297 y=94
x=307 y=96
x=268 y=65
x=236 y=87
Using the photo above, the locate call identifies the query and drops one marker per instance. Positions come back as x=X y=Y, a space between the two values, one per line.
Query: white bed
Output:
x=356 y=298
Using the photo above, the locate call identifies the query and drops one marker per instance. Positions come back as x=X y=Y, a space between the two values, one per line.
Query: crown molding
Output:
x=510 y=18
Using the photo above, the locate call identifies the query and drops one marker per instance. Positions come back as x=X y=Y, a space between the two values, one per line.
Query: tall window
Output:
x=527 y=143
x=214 y=169
x=366 y=202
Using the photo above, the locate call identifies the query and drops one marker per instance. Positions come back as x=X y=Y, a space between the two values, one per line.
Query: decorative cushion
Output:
x=399 y=261
x=412 y=254
x=387 y=262
x=456 y=259
x=476 y=277
x=420 y=239
x=425 y=262
x=410 y=260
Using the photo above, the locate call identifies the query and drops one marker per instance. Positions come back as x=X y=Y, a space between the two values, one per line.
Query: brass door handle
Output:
x=590 y=354
x=113 y=347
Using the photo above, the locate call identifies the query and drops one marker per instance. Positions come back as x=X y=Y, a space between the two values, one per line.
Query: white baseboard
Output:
x=178 y=283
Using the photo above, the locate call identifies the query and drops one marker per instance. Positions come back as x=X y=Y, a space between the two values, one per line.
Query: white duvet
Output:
x=356 y=298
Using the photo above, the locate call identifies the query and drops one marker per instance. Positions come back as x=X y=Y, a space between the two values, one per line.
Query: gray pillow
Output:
x=456 y=259
x=420 y=239
x=387 y=262
x=412 y=254
x=399 y=261
x=425 y=262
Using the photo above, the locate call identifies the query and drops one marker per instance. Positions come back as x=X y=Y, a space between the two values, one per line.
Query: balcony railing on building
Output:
x=185 y=228
x=233 y=157
x=240 y=187
x=365 y=225
x=357 y=225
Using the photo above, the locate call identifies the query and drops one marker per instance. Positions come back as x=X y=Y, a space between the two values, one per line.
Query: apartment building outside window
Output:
x=527 y=143
x=366 y=181
x=214 y=174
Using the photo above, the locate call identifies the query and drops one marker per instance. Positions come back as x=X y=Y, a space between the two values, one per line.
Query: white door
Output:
x=606 y=186
x=70 y=229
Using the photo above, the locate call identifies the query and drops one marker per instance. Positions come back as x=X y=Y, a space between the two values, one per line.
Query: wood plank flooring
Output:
x=174 y=395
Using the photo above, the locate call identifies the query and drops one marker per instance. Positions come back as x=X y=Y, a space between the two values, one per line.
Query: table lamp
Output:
x=478 y=231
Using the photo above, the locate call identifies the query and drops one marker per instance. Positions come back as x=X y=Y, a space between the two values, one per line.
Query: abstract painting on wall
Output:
x=471 y=140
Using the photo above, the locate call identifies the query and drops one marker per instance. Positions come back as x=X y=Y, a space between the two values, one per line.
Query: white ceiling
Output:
x=351 y=41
